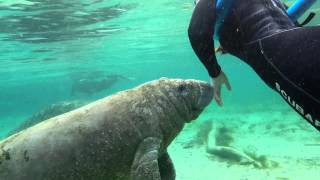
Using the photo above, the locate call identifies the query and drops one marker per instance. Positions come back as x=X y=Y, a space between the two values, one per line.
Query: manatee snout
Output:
x=205 y=95
x=197 y=95
x=191 y=96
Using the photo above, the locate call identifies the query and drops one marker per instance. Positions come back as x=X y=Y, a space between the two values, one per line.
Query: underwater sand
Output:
x=293 y=145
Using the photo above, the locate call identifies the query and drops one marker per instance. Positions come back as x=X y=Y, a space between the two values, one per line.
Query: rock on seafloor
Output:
x=123 y=136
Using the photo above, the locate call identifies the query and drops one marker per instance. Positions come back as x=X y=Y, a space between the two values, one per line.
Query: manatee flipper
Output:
x=145 y=163
x=167 y=171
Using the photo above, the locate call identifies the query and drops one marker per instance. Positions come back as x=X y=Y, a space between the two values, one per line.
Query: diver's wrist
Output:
x=215 y=72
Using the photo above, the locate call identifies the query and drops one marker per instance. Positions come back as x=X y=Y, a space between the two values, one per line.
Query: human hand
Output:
x=217 y=83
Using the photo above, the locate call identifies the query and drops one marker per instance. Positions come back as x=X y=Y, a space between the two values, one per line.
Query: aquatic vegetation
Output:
x=263 y=161
x=223 y=136
x=268 y=127
x=267 y=163
x=282 y=178
x=201 y=137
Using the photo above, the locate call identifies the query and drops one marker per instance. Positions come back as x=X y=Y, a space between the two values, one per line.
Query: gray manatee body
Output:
x=92 y=85
x=120 y=137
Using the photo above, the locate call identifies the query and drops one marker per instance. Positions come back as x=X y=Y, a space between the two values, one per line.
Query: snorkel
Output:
x=222 y=7
x=295 y=11
x=298 y=8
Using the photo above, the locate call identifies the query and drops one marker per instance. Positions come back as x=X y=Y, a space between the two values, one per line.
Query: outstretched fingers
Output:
x=228 y=84
x=217 y=94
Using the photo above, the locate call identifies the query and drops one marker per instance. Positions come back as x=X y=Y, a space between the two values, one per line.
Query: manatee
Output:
x=219 y=144
x=120 y=137
x=48 y=112
x=91 y=86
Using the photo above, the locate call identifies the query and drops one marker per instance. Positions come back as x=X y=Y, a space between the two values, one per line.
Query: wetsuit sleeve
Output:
x=201 y=33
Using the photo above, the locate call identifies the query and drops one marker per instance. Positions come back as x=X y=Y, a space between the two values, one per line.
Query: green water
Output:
x=48 y=45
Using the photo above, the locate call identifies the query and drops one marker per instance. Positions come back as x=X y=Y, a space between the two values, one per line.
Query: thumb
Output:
x=217 y=95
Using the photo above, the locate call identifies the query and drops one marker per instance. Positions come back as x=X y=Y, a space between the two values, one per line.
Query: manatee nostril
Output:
x=181 y=88
x=194 y=109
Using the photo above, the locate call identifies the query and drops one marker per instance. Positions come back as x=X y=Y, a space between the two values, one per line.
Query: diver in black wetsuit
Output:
x=259 y=32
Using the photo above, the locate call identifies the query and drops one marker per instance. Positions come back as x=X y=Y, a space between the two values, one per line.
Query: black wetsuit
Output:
x=259 y=32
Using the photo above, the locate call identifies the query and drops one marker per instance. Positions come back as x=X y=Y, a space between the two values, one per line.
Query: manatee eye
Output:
x=181 y=88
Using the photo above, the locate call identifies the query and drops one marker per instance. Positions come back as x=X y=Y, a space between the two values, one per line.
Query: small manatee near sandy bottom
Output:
x=123 y=136
x=220 y=144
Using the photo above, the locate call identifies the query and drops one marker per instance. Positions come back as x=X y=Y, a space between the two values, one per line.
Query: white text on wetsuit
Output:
x=297 y=106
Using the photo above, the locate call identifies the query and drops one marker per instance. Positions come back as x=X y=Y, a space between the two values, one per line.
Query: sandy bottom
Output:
x=287 y=143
